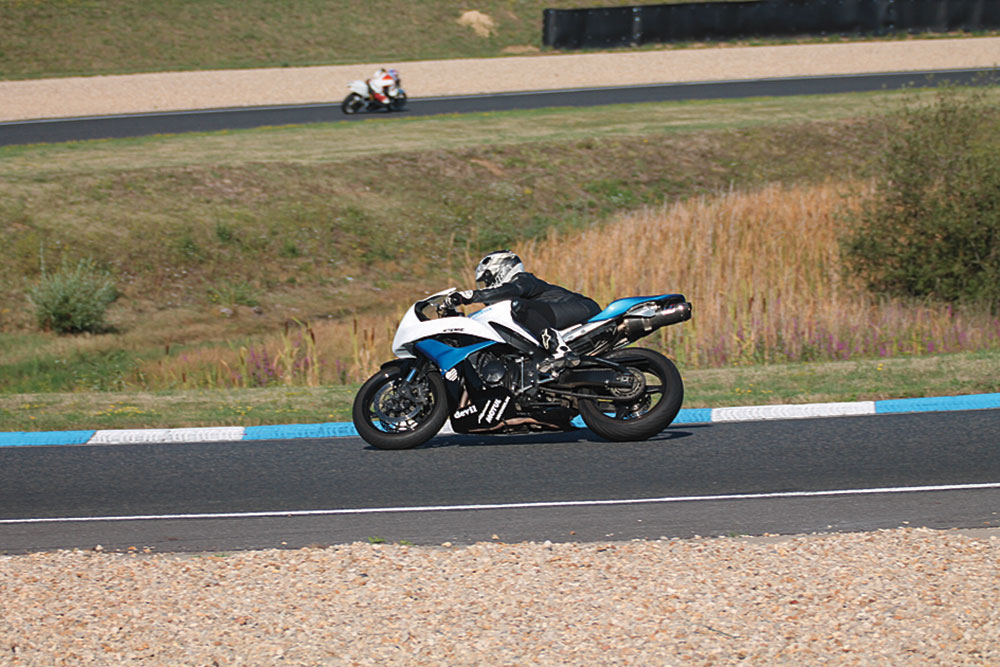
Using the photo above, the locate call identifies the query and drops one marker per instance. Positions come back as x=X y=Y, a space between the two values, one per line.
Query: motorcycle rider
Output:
x=542 y=308
x=383 y=85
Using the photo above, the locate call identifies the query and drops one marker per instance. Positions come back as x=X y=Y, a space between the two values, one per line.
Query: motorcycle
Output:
x=361 y=99
x=481 y=372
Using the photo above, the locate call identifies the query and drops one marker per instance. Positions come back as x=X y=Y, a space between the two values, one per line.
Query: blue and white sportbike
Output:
x=482 y=373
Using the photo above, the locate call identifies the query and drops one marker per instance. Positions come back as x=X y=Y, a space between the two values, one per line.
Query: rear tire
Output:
x=391 y=413
x=352 y=104
x=644 y=417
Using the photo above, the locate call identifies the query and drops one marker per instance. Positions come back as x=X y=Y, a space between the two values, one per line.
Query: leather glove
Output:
x=459 y=298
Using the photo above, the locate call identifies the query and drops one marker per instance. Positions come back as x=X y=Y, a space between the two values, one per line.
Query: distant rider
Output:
x=542 y=308
x=384 y=84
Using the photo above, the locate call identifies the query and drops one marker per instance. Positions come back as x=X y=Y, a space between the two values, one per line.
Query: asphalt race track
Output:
x=133 y=125
x=940 y=470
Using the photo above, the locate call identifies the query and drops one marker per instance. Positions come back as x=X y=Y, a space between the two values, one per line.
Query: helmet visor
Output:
x=485 y=279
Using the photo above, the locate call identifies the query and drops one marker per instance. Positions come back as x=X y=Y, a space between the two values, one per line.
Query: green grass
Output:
x=137 y=409
x=867 y=379
x=855 y=380
x=182 y=220
x=65 y=37
x=345 y=141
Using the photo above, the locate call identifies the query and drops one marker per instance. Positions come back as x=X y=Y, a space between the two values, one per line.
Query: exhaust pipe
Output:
x=637 y=327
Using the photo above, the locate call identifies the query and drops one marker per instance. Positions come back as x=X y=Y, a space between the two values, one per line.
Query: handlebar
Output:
x=446 y=308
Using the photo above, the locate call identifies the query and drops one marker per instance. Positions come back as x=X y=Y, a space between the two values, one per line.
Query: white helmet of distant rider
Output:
x=497 y=268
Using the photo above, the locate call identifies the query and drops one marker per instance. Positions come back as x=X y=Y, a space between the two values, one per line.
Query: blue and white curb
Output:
x=346 y=429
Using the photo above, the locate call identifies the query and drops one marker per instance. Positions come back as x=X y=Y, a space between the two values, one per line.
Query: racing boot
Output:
x=560 y=355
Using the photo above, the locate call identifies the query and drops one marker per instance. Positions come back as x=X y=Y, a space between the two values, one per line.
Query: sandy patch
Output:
x=481 y=24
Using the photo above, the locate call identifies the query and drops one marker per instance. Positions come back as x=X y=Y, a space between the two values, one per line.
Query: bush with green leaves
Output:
x=74 y=299
x=931 y=228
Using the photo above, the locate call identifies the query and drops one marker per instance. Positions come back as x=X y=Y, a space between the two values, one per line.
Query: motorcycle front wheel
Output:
x=637 y=417
x=352 y=104
x=392 y=411
x=398 y=103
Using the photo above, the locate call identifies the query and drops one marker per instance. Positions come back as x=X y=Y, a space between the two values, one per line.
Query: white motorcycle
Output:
x=361 y=99
x=482 y=372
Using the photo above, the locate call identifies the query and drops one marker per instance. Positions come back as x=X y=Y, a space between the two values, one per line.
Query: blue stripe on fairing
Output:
x=620 y=306
x=446 y=356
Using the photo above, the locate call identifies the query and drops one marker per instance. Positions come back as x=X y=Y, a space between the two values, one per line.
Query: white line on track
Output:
x=506 y=506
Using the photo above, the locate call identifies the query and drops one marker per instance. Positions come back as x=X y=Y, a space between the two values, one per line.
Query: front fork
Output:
x=406 y=386
x=411 y=369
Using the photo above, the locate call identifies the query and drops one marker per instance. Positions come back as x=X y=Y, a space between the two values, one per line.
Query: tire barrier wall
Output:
x=714 y=21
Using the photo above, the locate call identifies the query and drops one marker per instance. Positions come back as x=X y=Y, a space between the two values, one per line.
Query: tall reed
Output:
x=303 y=354
x=763 y=271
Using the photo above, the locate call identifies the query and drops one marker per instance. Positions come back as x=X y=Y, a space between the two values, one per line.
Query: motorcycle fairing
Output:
x=445 y=356
x=496 y=410
x=485 y=411
x=360 y=87
x=415 y=328
x=500 y=317
x=621 y=306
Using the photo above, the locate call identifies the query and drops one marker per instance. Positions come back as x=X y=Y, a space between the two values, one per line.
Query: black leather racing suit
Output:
x=538 y=304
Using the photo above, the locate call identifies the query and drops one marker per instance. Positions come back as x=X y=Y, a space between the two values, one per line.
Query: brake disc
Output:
x=394 y=409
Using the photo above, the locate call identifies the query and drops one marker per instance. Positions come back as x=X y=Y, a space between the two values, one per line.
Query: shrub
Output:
x=931 y=228
x=74 y=299
x=233 y=293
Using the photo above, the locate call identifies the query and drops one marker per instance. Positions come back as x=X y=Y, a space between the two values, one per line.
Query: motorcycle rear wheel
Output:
x=352 y=104
x=392 y=413
x=643 y=417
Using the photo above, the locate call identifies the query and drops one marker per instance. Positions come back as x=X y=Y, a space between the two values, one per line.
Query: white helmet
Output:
x=497 y=268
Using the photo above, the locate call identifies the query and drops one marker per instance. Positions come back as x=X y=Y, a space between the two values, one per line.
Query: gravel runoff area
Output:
x=896 y=597
x=908 y=596
x=136 y=93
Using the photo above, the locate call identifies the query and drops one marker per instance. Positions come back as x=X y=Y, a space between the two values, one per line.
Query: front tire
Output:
x=643 y=417
x=352 y=104
x=398 y=103
x=391 y=412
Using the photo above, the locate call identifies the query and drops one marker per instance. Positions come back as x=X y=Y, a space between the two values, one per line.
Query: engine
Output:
x=491 y=370
x=511 y=372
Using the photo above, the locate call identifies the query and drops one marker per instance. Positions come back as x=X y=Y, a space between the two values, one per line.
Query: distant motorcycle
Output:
x=361 y=99
x=482 y=373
